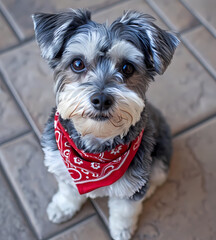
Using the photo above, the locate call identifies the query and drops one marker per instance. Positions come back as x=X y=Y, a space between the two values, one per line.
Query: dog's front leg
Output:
x=123 y=217
x=65 y=203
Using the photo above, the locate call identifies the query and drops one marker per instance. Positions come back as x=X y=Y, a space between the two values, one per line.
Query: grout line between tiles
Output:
x=202 y=20
x=101 y=217
x=161 y=15
x=194 y=126
x=9 y=26
x=27 y=40
x=20 y=103
x=14 y=138
x=12 y=23
x=18 y=201
x=190 y=48
x=190 y=29
x=199 y=57
x=68 y=227
x=109 y=6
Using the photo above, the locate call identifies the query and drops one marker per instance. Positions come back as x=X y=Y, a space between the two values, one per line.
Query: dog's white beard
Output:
x=74 y=104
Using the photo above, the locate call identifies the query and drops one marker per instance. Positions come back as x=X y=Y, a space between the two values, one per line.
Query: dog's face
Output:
x=102 y=72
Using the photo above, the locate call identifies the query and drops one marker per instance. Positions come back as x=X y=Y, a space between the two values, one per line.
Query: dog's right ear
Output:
x=53 y=30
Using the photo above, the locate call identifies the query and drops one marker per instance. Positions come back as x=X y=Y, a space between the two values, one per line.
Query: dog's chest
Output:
x=124 y=187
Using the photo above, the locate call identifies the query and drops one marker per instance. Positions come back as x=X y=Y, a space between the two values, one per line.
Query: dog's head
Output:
x=102 y=72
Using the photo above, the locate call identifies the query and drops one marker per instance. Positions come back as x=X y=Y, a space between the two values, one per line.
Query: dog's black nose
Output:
x=101 y=101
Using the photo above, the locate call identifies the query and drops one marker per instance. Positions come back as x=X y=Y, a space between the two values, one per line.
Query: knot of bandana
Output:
x=90 y=171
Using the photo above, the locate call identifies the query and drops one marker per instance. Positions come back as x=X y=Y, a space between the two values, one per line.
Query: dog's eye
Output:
x=77 y=65
x=127 y=69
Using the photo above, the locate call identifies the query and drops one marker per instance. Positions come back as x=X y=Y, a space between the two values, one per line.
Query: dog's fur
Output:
x=136 y=41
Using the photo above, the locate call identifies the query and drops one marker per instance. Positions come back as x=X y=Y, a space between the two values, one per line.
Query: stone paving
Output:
x=184 y=207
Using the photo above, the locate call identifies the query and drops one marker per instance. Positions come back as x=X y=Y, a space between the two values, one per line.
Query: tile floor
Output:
x=184 y=207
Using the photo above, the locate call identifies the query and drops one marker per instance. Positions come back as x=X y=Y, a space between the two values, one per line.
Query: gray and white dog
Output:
x=101 y=76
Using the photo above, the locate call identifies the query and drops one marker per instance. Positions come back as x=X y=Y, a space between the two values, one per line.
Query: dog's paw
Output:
x=59 y=214
x=123 y=217
x=121 y=234
x=122 y=228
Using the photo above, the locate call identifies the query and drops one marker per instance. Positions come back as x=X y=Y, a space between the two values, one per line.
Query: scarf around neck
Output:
x=90 y=171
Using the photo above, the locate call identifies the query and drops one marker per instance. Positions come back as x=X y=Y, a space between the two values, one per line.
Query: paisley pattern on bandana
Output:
x=91 y=171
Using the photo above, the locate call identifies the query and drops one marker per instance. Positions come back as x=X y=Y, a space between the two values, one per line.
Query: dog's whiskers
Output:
x=117 y=126
x=83 y=114
x=71 y=114
x=128 y=114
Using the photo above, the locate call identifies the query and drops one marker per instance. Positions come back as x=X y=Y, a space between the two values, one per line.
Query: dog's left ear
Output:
x=157 y=45
x=53 y=30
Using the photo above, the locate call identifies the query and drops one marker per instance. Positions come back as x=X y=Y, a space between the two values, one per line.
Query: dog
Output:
x=104 y=138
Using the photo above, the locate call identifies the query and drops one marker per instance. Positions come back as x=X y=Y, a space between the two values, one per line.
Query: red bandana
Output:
x=91 y=171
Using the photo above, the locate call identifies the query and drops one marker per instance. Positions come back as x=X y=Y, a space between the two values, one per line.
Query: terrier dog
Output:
x=103 y=138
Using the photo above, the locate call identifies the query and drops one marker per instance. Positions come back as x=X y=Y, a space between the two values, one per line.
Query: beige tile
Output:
x=185 y=93
x=91 y=228
x=23 y=18
x=32 y=79
x=12 y=121
x=23 y=163
x=7 y=37
x=183 y=208
x=205 y=9
x=113 y=13
x=204 y=43
x=12 y=222
x=179 y=16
